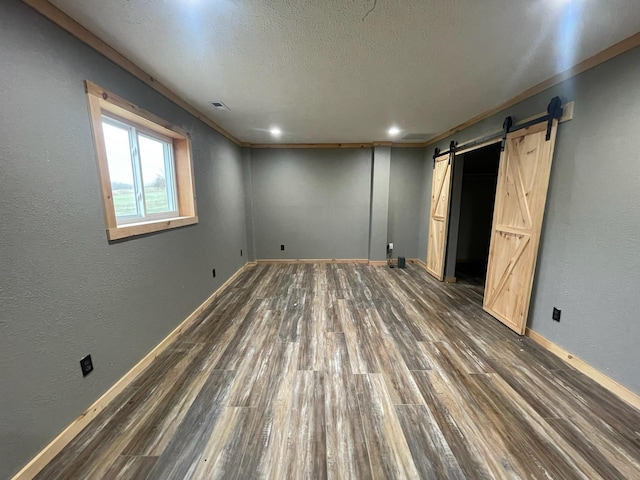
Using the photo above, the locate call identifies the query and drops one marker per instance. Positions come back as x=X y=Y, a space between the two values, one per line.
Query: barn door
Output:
x=439 y=218
x=523 y=179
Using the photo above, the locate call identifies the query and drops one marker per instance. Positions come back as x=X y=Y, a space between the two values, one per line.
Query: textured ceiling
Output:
x=344 y=71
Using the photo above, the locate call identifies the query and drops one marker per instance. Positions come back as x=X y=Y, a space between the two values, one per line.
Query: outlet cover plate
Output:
x=86 y=365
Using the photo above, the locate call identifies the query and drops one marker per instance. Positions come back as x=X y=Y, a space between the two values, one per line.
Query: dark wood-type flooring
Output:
x=351 y=371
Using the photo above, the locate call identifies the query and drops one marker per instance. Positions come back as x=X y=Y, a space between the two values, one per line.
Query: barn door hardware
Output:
x=453 y=146
x=554 y=112
x=452 y=149
x=506 y=128
x=436 y=154
x=554 y=109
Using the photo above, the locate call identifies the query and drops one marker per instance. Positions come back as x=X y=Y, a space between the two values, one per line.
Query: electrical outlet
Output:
x=281 y=247
x=556 y=314
x=86 y=365
x=214 y=273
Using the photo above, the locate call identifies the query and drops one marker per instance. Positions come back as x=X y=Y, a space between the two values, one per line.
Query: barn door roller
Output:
x=506 y=128
x=452 y=149
x=554 y=111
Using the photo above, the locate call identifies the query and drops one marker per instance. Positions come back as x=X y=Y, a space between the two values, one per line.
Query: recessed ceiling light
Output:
x=276 y=132
x=393 y=131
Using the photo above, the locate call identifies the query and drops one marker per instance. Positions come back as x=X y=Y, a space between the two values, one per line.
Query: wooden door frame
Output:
x=460 y=153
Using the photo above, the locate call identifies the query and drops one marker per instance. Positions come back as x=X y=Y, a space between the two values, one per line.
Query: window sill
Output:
x=133 y=229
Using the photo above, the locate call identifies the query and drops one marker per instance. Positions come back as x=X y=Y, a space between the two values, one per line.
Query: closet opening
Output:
x=475 y=177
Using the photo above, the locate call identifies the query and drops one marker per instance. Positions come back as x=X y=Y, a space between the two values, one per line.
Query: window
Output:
x=145 y=168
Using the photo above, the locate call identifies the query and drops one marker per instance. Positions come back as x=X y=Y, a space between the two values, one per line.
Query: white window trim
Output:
x=102 y=102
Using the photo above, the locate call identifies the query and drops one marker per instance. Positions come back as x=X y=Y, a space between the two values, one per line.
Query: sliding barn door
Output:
x=439 y=218
x=521 y=194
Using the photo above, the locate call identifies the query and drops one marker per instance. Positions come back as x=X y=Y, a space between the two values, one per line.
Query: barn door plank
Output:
x=439 y=216
x=523 y=181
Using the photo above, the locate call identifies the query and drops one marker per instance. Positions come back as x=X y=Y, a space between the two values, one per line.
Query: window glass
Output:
x=157 y=174
x=121 y=172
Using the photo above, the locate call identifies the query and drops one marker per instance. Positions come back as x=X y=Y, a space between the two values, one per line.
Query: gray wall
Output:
x=64 y=291
x=589 y=261
x=248 y=203
x=314 y=201
x=379 y=211
x=405 y=190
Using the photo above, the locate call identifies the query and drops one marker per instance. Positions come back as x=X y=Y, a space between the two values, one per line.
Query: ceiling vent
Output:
x=220 y=106
x=417 y=137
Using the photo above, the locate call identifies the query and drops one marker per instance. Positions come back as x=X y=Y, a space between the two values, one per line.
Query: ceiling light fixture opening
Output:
x=276 y=132
x=393 y=131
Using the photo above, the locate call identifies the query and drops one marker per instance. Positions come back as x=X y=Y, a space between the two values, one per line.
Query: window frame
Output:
x=104 y=103
x=135 y=133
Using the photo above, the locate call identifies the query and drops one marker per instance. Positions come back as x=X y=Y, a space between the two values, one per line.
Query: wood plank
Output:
x=242 y=345
x=154 y=432
x=130 y=468
x=457 y=422
x=312 y=335
x=389 y=452
x=403 y=338
x=185 y=453
x=347 y=455
x=259 y=381
x=129 y=230
x=223 y=451
x=431 y=453
x=233 y=398
x=400 y=384
x=546 y=454
x=306 y=455
x=266 y=437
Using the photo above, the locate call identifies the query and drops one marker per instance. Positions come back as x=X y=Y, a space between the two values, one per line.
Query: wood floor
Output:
x=351 y=371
